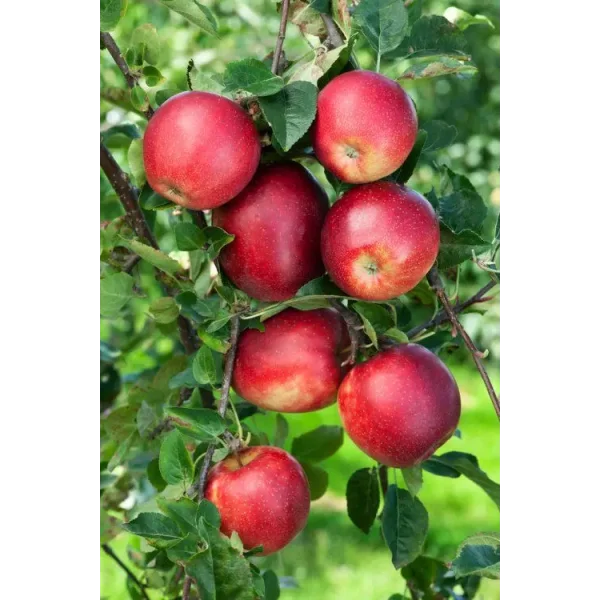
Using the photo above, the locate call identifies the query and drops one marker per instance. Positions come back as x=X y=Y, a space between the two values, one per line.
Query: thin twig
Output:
x=354 y=326
x=125 y=568
x=436 y=283
x=334 y=37
x=223 y=400
x=383 y=478
x=285 y=6
x=130 y=78
x=442 y=315
x=187 y=586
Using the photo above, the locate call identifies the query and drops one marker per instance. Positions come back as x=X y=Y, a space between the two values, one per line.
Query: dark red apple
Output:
x=200 y=150
x=266 y=499
x=366 y=126
x=400 y=406
x=379 y=240
x=294 y=365
x=277 y=223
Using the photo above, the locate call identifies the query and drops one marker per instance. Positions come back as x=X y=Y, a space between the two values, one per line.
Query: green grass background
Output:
x=332 y=559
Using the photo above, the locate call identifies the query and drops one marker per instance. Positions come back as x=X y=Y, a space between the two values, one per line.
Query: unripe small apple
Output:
x=200 y=150
x=379 y=240
x=365 y=128
x=266 y=498
x=295 y=364
x=277 y=222
x=400 y=406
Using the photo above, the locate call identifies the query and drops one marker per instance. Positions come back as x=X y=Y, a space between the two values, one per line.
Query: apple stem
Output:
x=435 y=281
x=187 y=586
x=355 y=328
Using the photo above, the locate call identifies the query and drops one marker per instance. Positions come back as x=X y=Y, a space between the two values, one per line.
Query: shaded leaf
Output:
x=404 y=173
x=146 y=43
x=200 y=423
x=115 y=291
x=479 y=555
x=188 y=236
x=253 y=76
x=155 y=257
x=164 y=310
x=154 y=527
x=455 y=249
x=174 y=461
x=439 y=135
x=318 y=479
x=362 y=497
x=413 y=478
x=318 y=444
x=203 y=366
x=281 y=430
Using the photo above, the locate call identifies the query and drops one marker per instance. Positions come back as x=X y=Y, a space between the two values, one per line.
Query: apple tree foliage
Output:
x=157 y=425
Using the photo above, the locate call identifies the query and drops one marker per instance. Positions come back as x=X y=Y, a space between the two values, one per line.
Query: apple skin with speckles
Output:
x=267 y=500
x=295 y=364
x=400 y=406
x=277 y=224
x=365 y=128
x=200 y=150
x=379 y=240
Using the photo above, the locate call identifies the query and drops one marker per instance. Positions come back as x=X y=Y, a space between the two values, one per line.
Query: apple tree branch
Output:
x=285 y=7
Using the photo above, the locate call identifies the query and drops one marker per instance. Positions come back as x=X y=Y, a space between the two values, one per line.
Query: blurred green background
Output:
x=332 y=558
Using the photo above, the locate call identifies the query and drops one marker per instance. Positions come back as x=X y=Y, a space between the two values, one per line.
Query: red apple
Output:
x=277 y=223
x=200 y=150
x=265 y=499
x=400 y=406
x=294 y=365
x=366 y=126
x=379 y=240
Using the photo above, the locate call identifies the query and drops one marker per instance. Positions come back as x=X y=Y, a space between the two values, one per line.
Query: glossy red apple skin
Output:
x=295 y=364
x=277 y=224
x=200 y=150
x=366 y=126
x=266 y=501
x=400 y=406
x=379 y=240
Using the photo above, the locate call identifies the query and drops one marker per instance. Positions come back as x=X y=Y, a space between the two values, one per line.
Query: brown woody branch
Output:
x=108 y=550
x=187 y=586
x=285 y=7
x=334 y=38
x=355 y=329
x=442 y=315
x=130 y=78
x=436 y=283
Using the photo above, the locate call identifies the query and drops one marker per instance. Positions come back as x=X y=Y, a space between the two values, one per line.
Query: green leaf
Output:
x=413 y=478
x=318 y=444
x=154 y=527
x=139 y=99
x=305 y=14
x=183 y=379
x=162 y=96
x=272 y=591
x=290 y=112
x=186 y=549
x=405 y=523
x=111 y=12
x=195 y=13
x=478 y=555
x=203 y=366
x=217 y=239
x=455 y=249
x=150 y=200
x=174 y=460
x=184 y=511
x=463 y=19
x=120 y=136
x=213 y=342
x=153 y=76
x=253 y=76
x=404 y=173
x=437 y=68
x=321 y=286
x=467 y=465
x=135 y=159
x=188 y=236
x=383 y=22
x=120 y=423
x=204 y=82
x=164 y=310
x=115 y=292
x=281 y=430
x=120 y=453
x=155 y=257
x=461 y=211
x=318 y=479
x=154 y=476
x=209 y=512
x=146 y=43
x=439 y=135
x=376 y=319
x=397 y=335
x=432 y=36
x=200 y=423
x=362 y=498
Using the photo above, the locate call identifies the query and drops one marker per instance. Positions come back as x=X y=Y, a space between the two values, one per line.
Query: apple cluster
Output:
x=378 y=241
